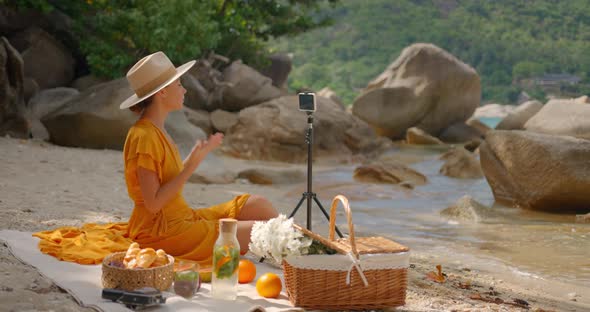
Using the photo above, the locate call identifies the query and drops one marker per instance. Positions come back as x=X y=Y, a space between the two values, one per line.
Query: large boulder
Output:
x=516 y=119
x=49 y=100
x=459 y=163
x=276 y=130
x=278 y=70
x=199 y=118
x=562 y=117
x=93 y=119
x=460 y=132
x=221 y=120
x=43 y=104
x=537 y=171
x=426 y=87
x=86 y=82
x=13 y=120
x=45 y=59
x=246 y=87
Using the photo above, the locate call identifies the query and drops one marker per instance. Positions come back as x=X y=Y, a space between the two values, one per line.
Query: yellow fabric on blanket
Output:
x=86 y=245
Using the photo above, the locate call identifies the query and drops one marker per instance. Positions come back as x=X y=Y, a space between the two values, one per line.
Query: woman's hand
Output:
x=201 y=149
x=214 y=141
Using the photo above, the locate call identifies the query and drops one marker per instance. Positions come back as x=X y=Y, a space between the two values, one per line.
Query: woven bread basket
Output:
x=129 y=279
x=367 y=273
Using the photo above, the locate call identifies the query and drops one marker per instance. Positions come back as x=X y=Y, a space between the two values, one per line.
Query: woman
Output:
x=155 y=173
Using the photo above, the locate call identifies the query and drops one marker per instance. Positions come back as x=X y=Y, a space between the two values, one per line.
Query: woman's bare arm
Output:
x=155 y=195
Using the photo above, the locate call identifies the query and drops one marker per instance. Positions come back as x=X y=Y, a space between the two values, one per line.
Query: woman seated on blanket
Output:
x=155 y=173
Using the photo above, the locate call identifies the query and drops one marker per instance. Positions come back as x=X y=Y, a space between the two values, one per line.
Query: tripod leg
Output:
x=326 y=214
x=297 y=207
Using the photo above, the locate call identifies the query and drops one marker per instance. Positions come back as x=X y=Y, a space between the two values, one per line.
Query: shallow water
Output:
x=527 y=243
x=491 y=122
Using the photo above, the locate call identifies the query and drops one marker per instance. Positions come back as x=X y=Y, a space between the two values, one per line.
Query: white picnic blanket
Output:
x=83 y=282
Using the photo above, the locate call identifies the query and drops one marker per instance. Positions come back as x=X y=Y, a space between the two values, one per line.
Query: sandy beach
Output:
x=44 y=186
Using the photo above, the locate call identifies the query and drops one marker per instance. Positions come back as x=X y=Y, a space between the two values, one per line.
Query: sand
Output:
x=43 y=186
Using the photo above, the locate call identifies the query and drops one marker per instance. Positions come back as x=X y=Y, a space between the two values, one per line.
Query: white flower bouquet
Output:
x=277 y=239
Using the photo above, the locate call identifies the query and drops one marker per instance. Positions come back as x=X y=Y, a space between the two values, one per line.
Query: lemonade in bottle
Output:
x=226 y=257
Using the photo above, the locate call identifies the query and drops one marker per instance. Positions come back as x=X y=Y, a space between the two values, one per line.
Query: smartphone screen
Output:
x=307 y=102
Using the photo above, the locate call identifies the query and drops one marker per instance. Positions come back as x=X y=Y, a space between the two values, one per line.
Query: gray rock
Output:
x=247 y=87
x=45 y=59
x=13 y=112
x=199 y=118
x=466 y=210
x=270 y=176
x=459 y=163
x=50 y=100
x=93 y=119
x=278 y=70
x=276 y=130
x=537 y=171
x=86 y=82
x=460 y=133
x=222 y=120
x=516 y=119
x=389 y=172
x=30 y=88
x=426 y=87
x=420 y=137
x=562 y=117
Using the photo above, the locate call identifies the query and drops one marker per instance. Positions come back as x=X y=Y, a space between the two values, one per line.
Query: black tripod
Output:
x=309 y=195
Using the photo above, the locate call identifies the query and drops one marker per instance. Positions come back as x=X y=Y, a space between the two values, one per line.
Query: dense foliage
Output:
x=506 y=41
x=113 y=34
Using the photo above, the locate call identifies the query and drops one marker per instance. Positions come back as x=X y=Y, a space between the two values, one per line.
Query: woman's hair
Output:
x=141 y=106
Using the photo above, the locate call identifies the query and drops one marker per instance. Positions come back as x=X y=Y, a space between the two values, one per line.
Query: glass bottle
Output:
x=226 y=258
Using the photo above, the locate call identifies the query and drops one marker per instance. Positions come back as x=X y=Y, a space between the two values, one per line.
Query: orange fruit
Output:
x=269 y=285
x=247 y=271
x=221 y=262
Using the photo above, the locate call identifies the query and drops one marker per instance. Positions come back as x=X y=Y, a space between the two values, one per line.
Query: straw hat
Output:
x=150 y=75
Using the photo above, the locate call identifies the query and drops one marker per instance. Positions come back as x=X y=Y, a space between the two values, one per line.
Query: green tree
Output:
x=115 y=33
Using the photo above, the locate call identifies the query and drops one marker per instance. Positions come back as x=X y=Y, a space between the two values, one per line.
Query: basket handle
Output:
x=346 y=206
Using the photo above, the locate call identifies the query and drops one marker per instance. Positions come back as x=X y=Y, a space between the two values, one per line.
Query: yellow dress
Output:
x=177 y=229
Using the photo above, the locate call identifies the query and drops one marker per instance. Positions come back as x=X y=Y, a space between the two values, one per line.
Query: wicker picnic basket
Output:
x=367 y=273
x=129 y=279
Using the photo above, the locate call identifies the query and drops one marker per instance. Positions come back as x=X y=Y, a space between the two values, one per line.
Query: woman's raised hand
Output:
x=214 y=141
x=202 y=148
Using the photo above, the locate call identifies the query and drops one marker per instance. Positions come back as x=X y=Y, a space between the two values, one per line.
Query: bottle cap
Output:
x=228 y=225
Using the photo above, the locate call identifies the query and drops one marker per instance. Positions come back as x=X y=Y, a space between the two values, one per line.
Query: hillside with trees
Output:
x=538 y=46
